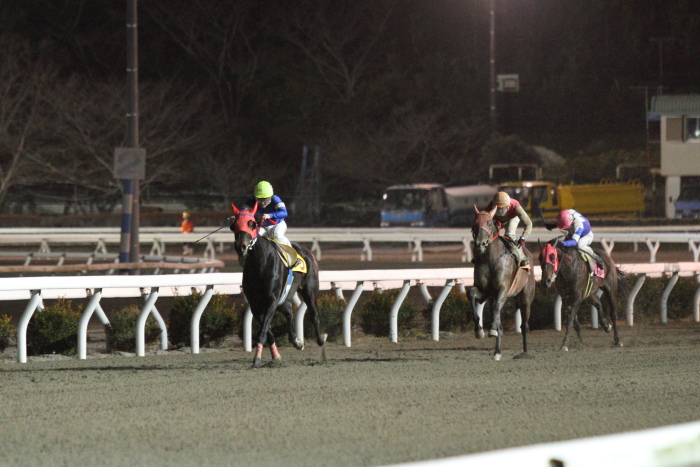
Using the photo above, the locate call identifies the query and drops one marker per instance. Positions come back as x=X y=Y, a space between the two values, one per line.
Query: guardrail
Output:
x=150 y=288
x=110 y=263
x=651 y=237
x=675 y=445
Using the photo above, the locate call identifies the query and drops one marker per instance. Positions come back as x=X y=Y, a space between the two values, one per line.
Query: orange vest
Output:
x=187 y=226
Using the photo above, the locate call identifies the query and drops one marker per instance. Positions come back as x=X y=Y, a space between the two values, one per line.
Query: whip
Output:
x=190 y=244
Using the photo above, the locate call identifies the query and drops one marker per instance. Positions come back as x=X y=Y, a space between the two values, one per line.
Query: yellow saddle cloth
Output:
x=290 y=257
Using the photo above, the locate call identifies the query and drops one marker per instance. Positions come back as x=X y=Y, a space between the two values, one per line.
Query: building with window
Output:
x=679 y=139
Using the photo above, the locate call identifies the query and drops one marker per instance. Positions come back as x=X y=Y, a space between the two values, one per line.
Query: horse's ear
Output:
x=235 y=209
x=492 y=212
x=255 y=208
x=476 y=210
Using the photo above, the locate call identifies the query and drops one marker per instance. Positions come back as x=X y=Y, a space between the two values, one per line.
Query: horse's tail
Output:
x=623 y=282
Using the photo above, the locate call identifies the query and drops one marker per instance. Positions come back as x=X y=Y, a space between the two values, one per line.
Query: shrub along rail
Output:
x=151 y=287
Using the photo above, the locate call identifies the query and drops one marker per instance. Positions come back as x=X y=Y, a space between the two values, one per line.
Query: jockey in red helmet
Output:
x=578 y=232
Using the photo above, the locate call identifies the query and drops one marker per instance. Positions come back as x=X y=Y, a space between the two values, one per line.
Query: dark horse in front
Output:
x=578 y=279
x=498 y=277
x=269 y=284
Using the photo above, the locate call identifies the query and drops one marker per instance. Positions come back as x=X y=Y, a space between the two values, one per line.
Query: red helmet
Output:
x=564 y=220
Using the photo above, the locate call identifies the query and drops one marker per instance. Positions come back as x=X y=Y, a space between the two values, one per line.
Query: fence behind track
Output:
x=151 y=287
x=159 y=237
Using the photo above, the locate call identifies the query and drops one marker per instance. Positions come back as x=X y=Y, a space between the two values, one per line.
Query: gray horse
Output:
x=497 y=277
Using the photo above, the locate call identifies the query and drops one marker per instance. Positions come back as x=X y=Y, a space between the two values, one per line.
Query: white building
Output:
x=679 y=116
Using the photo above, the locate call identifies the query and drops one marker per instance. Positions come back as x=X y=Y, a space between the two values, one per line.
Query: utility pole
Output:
x=492 y=66
x=130 y=161
x=661 y=41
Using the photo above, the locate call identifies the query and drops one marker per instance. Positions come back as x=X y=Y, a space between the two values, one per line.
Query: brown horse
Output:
x=565 y=268
x=497 y=277
x=269 y=285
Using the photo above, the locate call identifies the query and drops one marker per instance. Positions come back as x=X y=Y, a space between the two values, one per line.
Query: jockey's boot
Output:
x=599 y=261
x=523 y=261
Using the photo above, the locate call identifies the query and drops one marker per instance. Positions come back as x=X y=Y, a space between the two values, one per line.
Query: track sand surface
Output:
x=374 y=403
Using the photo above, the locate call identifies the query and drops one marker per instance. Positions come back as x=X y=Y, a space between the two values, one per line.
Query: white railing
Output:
x=675 y=445
x=84 y=262
x=150 y=288
x=650 y=236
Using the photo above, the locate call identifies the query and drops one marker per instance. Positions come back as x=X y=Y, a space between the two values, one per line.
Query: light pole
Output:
x=129 y=247
x=492 y=65
x=661 y=41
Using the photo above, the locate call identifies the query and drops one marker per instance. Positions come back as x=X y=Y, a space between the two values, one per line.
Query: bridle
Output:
x=491 y=231
x=551 y=257
x=240 y=225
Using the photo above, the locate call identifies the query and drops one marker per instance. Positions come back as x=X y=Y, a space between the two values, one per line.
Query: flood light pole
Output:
x=129 y=247
x=492 y=66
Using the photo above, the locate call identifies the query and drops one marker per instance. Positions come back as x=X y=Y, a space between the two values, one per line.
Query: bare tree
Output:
x=233 y=171
x=24 y=74
x=88 y=122
x=221 y=37
x=338 y=38
x=410 y=146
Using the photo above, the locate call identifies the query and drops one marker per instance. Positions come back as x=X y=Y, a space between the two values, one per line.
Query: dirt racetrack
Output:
x=374 y=403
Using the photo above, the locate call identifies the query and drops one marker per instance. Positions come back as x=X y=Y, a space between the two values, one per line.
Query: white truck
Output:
x=433 y=205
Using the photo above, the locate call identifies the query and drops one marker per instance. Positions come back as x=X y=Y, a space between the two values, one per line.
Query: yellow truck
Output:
x=604 y=199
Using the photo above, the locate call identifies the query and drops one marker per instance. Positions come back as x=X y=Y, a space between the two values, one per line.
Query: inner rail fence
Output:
x=150 y=287
x=417 y=238
x=82 y=263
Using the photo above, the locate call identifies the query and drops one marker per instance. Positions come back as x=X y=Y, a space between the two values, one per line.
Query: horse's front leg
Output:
x=570 y=323
x=496 y=327
x=273 y=346
x=264 y=334
x=476 y=297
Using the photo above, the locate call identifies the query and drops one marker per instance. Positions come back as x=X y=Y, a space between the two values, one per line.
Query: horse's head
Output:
x=484 y=230
x=245 y=226
x=549 y=262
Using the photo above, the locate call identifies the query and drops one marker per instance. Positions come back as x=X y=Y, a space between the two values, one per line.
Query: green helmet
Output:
x=263 y=190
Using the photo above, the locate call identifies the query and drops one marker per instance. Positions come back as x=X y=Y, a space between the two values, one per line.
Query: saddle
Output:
x=290 y=257
x=512 y=246
x=593 y=267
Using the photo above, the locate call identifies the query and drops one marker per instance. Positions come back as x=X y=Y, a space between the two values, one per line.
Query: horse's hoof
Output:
x=299 y=344
x=524 y=355
x=619 y=344
x=479 y=334
x=493 y=333
x=564 y=348
x=497 y=357
x=257 y=363
x=608 y=328
x=323 y=339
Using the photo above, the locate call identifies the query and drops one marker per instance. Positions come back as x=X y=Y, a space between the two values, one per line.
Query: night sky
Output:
x=393 y=91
